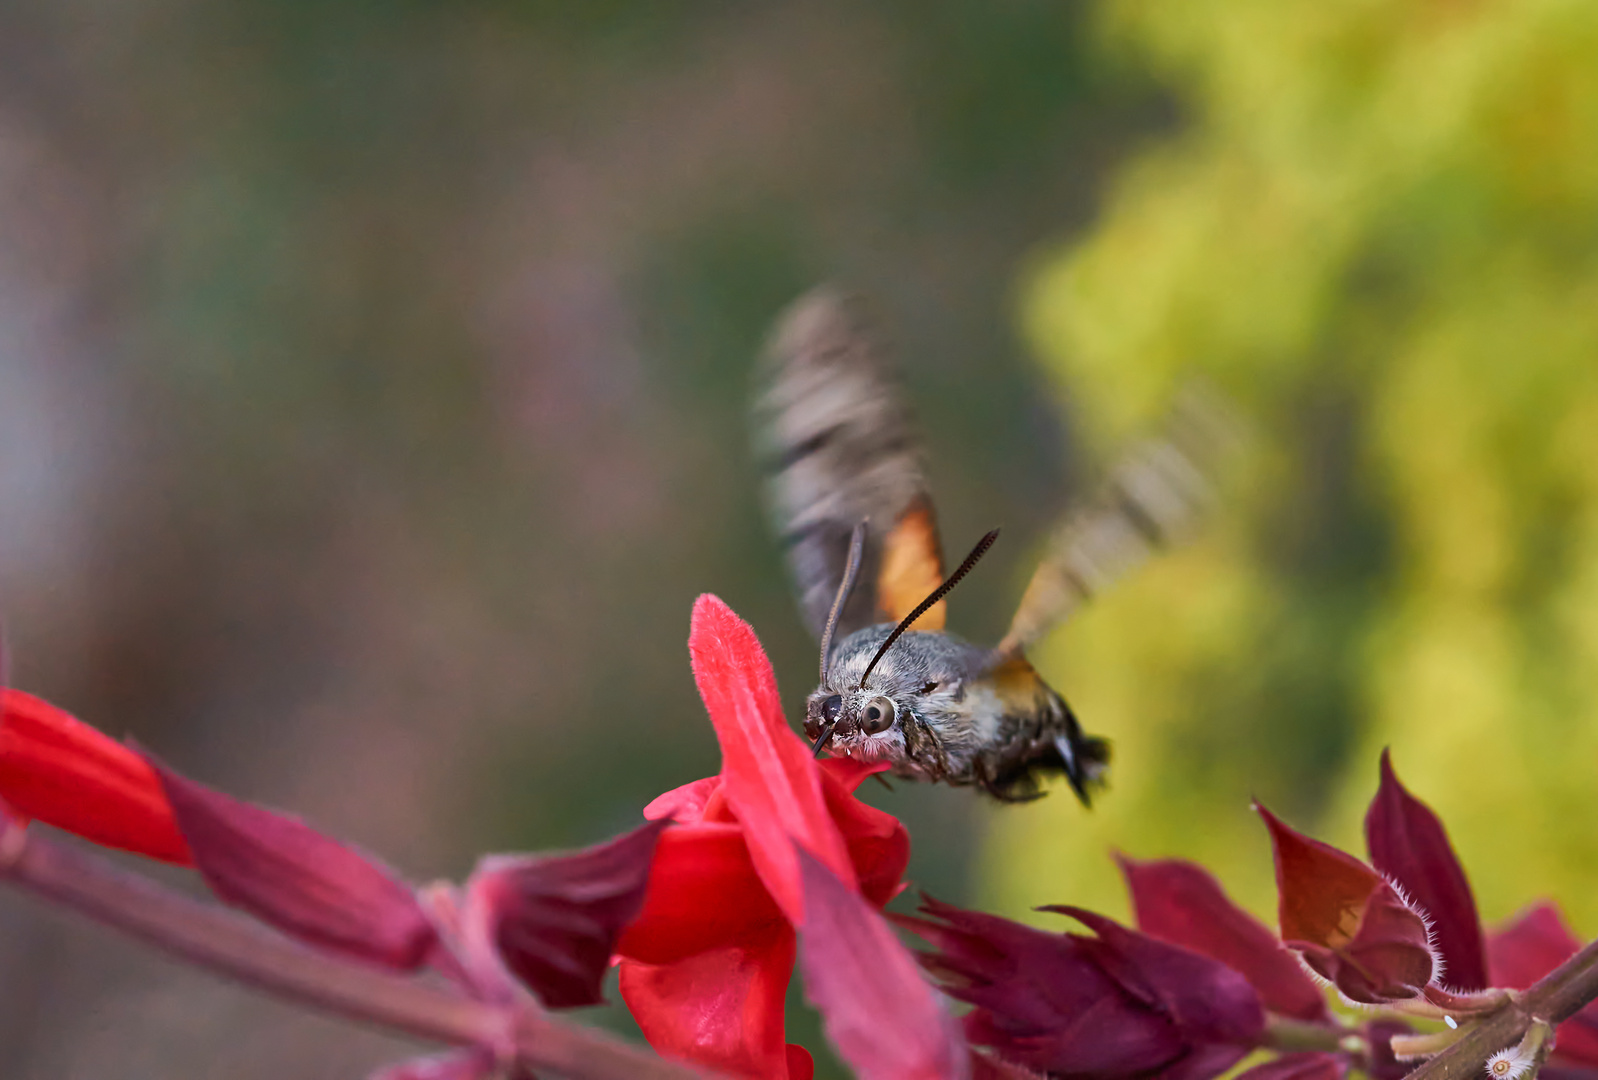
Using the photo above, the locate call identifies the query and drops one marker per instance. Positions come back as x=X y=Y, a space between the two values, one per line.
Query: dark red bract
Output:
x=1348 y=924
x=1110 y=1006
x=553 y=920
x=1408 y=844
x=1181 y=903
x=1183 y=995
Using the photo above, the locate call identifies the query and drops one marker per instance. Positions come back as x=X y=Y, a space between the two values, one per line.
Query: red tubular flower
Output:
x=59 y=770
x=705 y=967
x=300 y=881
x=553 y=918
x=56 y=769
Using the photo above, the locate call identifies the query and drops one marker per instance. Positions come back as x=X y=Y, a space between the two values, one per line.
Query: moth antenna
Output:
x=937 y=594
x=851 y=570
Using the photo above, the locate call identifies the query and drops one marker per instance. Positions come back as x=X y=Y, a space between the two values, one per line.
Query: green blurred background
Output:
x=372 y=407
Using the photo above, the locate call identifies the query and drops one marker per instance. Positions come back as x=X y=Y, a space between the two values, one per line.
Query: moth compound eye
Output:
x=877 y=716
x=830 y=708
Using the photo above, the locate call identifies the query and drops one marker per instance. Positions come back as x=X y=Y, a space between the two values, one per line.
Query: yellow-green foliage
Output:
x=1377 y=227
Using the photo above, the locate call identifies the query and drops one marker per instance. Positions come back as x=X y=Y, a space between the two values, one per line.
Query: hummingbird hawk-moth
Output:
x=849 y=501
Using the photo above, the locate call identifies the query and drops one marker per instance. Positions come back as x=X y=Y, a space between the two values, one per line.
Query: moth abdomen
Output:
x=1039 y=736
x=1013 y=770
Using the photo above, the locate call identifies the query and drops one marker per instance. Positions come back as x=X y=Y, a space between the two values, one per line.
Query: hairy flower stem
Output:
x=1557 y=997
x=217 y=939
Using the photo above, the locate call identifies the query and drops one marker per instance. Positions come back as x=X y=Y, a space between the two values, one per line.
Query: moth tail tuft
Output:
x=1085 y=760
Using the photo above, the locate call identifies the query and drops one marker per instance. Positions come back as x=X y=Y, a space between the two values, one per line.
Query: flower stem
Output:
x=1477 y=1001
x=1414 y=1047
x=1286 y=1034
x=1555 y=998
x=1534 y=1048
x=213 y=938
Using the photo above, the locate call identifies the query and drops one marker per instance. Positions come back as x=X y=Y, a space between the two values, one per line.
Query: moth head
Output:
x=858 y=712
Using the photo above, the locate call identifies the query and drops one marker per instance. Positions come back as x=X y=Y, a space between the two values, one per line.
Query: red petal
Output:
x=1529 y=948
x=878 y=843
x=685 y=804
x=877 y=1009
x=1557 y=1068
x=1181 y=903
x=722 y=1008
x=850 y=773
x=703 y=894
x=801 y=1066
x=287 y=874
x=554 y=919
x=1578 y=1042
x=1321 y=891
x=1408 y=844
x=1310 y=1065
x=59 y=770
x=769 y=774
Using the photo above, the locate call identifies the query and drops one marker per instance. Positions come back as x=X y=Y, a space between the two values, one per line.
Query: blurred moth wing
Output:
x=1153 y=500
x=839 y=447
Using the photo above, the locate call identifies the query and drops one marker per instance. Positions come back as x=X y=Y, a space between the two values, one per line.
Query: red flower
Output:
x=548 y=921
x=56 y=769
x=706 y=966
